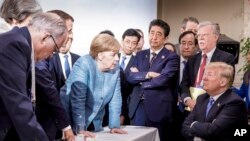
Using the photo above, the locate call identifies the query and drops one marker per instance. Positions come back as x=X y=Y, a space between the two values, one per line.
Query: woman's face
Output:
x=108 y=60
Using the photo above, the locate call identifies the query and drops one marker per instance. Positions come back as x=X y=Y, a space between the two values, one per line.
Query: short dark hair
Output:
x=65 y=16
x=131 y=32
x=188 y=32
x=162 y=24
x=185 y=20
x=107 y=32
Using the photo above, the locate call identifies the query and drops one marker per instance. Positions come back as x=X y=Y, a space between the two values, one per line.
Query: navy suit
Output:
x=56 y=68
x=160 y=93
x=192 y=68
x=126 y=89
x=49 y=109
x=16 y=111
x=227 y=114
x=243 y=92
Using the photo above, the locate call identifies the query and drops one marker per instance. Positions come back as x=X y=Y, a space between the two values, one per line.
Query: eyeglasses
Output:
x=56 y=46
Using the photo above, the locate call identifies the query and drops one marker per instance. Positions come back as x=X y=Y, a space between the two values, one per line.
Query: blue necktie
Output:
x=209 y=105
x=66 y=65
x=123 y=62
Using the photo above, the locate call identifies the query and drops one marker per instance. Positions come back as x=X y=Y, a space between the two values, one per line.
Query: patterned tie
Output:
x=123 y=62
x=153 y=58
x=66 y=65
x=201 y=71
x=209 y=105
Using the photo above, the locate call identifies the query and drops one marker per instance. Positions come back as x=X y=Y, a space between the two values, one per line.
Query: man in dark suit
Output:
x=218 y=113
x=57 y=62
x=154 y=76
x=130 y=39
x=188 y=47
x=50 y=77
x=208 y=34
x=18 y=121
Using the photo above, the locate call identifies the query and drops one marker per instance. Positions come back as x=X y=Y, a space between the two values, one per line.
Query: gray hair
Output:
x=18 y=9
x=49 y=22
x=215 y=26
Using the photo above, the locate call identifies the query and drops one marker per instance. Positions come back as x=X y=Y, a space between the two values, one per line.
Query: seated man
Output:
x=218 y=113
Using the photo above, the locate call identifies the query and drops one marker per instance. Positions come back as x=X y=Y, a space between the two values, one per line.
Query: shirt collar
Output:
x=156 y=52
x=210 y=54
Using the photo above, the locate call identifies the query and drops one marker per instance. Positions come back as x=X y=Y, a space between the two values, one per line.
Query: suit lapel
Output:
x=215 y=56
x=160 y=56
x=59 y=68
x=130 y=63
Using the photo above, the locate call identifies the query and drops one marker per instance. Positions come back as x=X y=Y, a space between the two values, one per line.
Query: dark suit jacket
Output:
x=56 y=69
x=126 y=87
x=49 y=109
x=160 y=92
x=192 y=68
x=227 y=114
x=15 y=105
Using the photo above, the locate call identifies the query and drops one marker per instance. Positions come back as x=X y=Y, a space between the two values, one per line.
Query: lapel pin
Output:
x=218 y=105
x=162 y=57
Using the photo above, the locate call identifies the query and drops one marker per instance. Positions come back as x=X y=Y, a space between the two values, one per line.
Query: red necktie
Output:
x=201 y=71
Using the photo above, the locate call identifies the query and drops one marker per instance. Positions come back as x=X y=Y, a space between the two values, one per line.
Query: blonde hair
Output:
x=103 y=42
x=225 y=70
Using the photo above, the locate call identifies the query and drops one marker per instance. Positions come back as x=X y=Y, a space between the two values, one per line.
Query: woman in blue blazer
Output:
x=93 y=83
x=243 y=92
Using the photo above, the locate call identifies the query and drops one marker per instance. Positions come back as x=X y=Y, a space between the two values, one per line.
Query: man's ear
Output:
x=223 y=81
x=166 y=39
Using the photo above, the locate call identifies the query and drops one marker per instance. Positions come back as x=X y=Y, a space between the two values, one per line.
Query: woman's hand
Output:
x=118 y=131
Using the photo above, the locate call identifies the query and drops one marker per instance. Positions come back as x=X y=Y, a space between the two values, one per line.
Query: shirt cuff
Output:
x=66 y=128
x=185 y=99
x=193 y=124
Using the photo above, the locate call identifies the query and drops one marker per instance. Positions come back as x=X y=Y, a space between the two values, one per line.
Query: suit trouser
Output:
x=139 y=118
x=9 y=135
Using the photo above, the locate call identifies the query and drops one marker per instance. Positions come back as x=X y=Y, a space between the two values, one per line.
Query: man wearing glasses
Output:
x=50 y=77
x=18 y=121
x=208 y=34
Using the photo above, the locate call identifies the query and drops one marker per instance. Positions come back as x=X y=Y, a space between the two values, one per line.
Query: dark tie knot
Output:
x=211 y=100
x=124 y=58
x=184 y=62
x=66 y=56
x=153 y=54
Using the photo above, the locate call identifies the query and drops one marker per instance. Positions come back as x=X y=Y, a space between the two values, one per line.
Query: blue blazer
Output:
x=15 y=105
x=243 y=91
x=161 y=92
x=89 y=90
